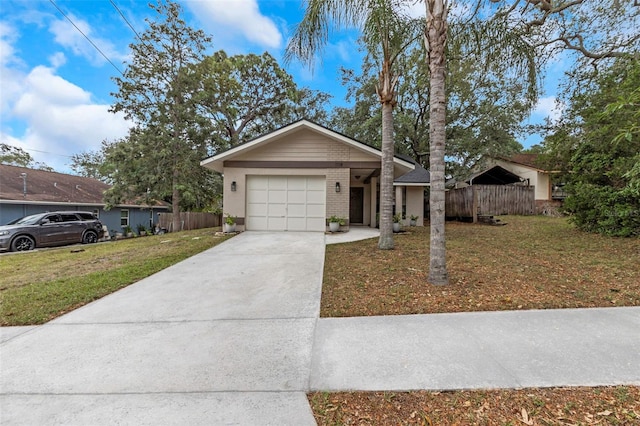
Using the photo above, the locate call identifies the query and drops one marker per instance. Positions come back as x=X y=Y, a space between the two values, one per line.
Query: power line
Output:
x=45 y=152
x=125 y=19
x=88 y=39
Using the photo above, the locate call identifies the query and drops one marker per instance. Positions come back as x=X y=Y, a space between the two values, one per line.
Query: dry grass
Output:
x=560 y=406
x=531 y=263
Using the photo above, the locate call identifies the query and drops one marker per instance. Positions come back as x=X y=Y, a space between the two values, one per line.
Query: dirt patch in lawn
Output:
x=558 y=406
x=531 y=263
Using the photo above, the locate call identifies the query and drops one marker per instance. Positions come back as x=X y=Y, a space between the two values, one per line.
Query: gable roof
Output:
x=216 y=162
x=496 y=175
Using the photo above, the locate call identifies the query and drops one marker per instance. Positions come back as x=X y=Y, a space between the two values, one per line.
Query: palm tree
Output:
x=435 y=40
x=386 y=31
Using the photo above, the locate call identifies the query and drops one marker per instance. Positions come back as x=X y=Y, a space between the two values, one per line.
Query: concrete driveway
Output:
x=232 y=336
x=224 y=337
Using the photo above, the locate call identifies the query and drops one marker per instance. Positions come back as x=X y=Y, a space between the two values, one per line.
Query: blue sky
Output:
x=55 y=86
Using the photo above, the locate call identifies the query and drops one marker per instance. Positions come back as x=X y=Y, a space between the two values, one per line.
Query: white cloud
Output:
x=237 y=17
x=61 y=119
x=58 y=59
x=69 y=37
x=549 y=107
x=10 y=77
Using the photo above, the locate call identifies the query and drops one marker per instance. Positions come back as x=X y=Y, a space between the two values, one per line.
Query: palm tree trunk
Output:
x=435 y=39
x=386 y=179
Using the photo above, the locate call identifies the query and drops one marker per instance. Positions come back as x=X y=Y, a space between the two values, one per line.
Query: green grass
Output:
x=41 y=285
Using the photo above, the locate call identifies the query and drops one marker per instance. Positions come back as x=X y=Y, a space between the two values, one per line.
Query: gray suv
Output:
x=50 y=229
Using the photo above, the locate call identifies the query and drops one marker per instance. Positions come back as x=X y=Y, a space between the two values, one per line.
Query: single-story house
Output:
x=526 y=166
x=296 y=177
x=25 y=191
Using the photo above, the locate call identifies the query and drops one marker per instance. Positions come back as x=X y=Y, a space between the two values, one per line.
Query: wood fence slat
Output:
x=190 y=220
x=490 y=200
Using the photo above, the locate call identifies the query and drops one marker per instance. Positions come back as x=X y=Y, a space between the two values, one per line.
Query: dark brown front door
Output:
x=356 y=205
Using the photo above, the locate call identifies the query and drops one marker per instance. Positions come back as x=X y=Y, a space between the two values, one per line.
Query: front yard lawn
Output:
x=41 y=285
x=533 y=262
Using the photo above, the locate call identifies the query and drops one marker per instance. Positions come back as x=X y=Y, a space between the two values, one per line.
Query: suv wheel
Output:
x=22 y=243
x=90 y=237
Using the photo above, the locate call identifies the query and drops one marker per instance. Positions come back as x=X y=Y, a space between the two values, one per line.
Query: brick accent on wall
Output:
x=338 y=202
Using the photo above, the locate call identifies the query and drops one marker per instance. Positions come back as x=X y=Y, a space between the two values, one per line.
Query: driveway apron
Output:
x=223 y=337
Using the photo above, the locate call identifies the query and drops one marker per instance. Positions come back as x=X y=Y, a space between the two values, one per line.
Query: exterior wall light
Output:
x=337 y=186
x=233 y=186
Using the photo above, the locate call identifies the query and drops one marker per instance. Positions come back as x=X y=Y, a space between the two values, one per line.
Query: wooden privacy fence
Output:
x=474 y=200
x=190 y=220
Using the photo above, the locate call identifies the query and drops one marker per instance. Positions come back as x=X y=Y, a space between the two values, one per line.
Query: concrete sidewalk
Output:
x=232 y=336
x=478 y=350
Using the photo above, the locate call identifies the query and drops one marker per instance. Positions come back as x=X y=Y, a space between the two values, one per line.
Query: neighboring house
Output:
x=298 y=176
x=526 y=167
x=494 y=191
x=26 y=191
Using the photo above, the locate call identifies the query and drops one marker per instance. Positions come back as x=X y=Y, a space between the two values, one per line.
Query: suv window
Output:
x=68 y=217
x=86 y=216
x=53 y=218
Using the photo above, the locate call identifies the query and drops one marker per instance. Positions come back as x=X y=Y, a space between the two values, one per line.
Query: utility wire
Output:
x=88 y=39
x=46 y=152
x=125 y=19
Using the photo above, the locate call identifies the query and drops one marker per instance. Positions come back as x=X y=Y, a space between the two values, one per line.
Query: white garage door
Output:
x=286 y=203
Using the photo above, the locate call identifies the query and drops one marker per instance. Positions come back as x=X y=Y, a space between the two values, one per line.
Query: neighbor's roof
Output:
x=51 y=187
x=496 y=175
x=47 y=186
x=216 y=162
x=529 y=160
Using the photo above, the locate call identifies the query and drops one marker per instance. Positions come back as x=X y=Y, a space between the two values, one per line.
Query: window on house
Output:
x=124 y=218
x=96 y=213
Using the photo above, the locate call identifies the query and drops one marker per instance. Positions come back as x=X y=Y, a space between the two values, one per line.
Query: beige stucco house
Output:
x=295 y=178
x=526 y=166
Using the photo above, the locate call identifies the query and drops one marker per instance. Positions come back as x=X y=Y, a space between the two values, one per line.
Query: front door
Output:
x=356 y=205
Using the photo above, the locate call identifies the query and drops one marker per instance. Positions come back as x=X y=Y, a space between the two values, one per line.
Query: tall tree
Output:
x=246 y=96
x=435 y=39
x=485 y=104
x=157 y=92
x=599 y=144
x=15 y=156
x=587 y=27
x=384 y=26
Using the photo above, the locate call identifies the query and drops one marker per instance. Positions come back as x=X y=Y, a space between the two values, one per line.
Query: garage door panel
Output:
x=299 y=197
x=257 y=209
x=257 y=196
x=297 y=210
x=317 y=183
x=315 y=211
x=277 y=182
x=295 y=183
x=315 y=197
x=297 y=224
x=294 y=203
x=316 y=223
x=276 y=224
x=277 y=196
x=276 y=210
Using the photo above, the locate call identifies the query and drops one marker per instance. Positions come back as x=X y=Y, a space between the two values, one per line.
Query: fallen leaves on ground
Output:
x=533 y=262
x=553 y=406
